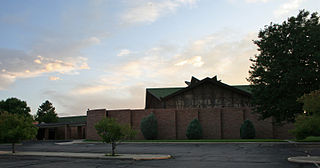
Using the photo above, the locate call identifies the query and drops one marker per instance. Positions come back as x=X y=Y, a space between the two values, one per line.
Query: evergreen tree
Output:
x=46 y=113
x=149 y=127
x=247 y=130
x=194 y=130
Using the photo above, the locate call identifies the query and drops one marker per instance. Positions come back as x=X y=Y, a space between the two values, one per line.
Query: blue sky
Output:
x=103 y=54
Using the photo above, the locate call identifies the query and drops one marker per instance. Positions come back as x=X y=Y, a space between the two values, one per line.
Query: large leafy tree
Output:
x=113 y=133
x=286 y=67
x=15 y=106
x=15 y=127
x=46 y=113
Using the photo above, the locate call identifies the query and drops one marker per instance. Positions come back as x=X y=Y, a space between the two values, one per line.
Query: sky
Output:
x=89 y=54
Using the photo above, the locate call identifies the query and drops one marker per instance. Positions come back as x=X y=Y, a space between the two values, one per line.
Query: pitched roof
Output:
x=163 y=92
x=160 y=93
x=72 y=119
x=62 y=121
x=245 y=88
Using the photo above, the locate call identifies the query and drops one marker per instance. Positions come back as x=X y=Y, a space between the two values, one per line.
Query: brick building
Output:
x=66 y=128
x=220 y=108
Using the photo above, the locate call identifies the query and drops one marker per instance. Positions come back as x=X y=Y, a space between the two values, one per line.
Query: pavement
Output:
x=90 y=155
x=185 y=155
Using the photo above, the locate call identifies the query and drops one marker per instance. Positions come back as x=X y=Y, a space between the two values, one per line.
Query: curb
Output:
x=305 y=159
x=154 y=158
x=90 y=155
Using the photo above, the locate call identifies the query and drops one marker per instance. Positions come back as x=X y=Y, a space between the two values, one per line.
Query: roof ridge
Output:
x=166 y=87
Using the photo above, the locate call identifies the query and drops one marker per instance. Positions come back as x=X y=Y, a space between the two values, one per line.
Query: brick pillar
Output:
x=176 y=124
x=221 y=123
x=131 y=124
x=66 y=132
x=94 y=116
x=46 y=133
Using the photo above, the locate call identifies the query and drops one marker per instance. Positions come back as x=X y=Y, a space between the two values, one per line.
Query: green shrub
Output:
x=149 y=127
x=194 y=130
x=247 y=130
x=306 y=126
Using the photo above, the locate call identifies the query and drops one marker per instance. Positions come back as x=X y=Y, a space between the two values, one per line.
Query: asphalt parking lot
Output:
x=240 y=155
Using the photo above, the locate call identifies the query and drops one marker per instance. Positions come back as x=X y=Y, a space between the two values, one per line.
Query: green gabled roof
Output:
x=163 y=92
x=73 y=119
x=245 y=88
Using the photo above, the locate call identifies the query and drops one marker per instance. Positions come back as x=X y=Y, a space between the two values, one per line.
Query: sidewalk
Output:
x=90 y=155
x=305 y=159
x=82 y=141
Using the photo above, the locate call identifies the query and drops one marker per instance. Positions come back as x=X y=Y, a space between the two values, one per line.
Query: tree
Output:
x=194 y=130
x=15 y=106
x=46 y=113
x=311 y=102
x=113 y=133
x=286 y=67
x=307 y=124
x=247 y=130
x=149 y=127
x=15 y=128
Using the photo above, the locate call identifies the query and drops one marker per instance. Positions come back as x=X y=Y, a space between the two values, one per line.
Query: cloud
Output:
x=69 y=104
x=124 y=52
x=17 y=64
x=217 y=54
x=288 y=7
x=92 y=40
x=49 y=55
x=123 y=85
x=248 y=1
x=255 y=1
x=150 y=11
x=54 y=78
x=90 y=89
x=196 y=61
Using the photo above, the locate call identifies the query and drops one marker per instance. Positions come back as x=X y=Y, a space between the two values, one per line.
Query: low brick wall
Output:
x=217 y=123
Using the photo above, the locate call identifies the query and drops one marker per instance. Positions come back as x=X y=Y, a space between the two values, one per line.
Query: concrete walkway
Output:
x=77 y=141
x=305 y=159
x=89 y=155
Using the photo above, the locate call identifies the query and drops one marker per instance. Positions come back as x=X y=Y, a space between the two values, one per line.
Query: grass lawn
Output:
x=204 y=140
x=310 y=139
x=213 y=140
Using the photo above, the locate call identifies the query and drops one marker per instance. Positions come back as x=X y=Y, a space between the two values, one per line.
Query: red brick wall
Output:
x=122 y=116
x=282 y=132
x=73 y=132
x=232 y=118
x=60 y=133
x=217 y=123
x=137 y=116
x=210 y=120
x=94 y=116
x=184 y=117
x=166 y=123
x=263 y=127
